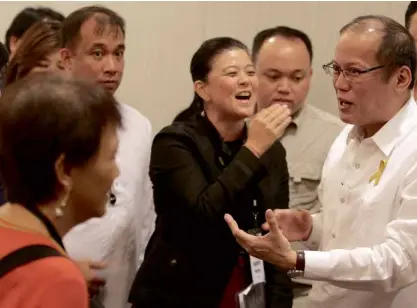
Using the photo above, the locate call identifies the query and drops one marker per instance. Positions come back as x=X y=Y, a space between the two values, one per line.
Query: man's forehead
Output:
x=366 y=40
x=285 y=54
x=369 y=31
x=100 y=26
x=278 y=46
x=357 y=48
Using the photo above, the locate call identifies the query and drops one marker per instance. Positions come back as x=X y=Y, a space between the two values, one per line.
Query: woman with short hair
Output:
x=58 y=142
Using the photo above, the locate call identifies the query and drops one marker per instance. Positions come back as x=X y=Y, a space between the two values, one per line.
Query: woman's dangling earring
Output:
x=59 y=210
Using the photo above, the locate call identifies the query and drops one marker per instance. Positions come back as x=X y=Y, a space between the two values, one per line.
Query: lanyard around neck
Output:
x=48 y=224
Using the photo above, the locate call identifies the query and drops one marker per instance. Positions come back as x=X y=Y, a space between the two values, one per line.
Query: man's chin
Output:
x=111 y=87
x=111 y=90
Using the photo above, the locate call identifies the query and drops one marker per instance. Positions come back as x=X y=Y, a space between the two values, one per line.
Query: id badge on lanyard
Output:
x=256 y=265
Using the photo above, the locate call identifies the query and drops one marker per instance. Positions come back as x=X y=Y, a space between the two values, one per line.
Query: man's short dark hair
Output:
x=28 y=17
x=411 y=10
x=71 y=27
x=397 y=47
x=42 y=117
x=285 y=32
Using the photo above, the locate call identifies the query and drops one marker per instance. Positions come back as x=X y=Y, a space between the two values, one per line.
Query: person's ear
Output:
x=14 y=43
x=66 y=58
x=403 y=79
x=201 y=89
x=63 y=174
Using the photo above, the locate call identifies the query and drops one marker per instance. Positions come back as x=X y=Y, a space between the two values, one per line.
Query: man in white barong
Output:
x=93 y=41
x=364 y=241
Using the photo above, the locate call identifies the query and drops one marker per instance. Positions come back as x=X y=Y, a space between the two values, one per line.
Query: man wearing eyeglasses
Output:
x=283 y=58
x=366 y=234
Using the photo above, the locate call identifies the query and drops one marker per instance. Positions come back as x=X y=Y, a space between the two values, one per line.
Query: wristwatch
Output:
x=300 y=263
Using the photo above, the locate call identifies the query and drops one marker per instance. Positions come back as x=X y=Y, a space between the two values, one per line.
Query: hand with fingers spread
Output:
x=272 y=247
x=266 y=127
x=296 y=225
x=93 y=281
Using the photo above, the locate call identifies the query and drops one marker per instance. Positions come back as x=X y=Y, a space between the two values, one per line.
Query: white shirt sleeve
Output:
x=313 y=242
x=388 y=266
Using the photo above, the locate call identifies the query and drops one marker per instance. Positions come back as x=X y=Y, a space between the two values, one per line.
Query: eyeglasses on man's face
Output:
x=351 y=74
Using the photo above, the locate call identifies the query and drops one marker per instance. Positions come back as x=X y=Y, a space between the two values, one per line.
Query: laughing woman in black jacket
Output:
x=208 y=163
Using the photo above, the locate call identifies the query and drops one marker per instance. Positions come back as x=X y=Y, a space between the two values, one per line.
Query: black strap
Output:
x=30 y=254
x=24 y=256
x=51 y=229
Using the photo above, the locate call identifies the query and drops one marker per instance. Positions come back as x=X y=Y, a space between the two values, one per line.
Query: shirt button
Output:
x=342 y=200
x=112 y=199
x=173 y=262
x=333 y=235
x=357 y=166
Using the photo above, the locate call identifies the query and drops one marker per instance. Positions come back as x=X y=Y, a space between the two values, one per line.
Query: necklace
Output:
x=49 y=226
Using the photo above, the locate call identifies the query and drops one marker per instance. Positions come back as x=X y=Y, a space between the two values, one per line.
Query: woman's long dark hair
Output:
x=201 y=66
x=42 y=39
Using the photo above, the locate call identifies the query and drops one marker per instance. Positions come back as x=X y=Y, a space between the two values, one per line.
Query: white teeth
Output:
x=244 y=93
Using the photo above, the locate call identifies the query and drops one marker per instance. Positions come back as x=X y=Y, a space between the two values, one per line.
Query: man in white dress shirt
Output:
x=366 y=234
x=93 y=47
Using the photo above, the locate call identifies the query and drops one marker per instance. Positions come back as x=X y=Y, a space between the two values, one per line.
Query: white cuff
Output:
x=316 y=264
x=313 y=240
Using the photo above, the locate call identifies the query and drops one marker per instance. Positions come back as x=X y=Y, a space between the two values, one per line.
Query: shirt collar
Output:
x=393 y=131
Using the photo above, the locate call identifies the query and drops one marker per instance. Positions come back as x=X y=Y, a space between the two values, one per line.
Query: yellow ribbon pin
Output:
x=377 y=175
